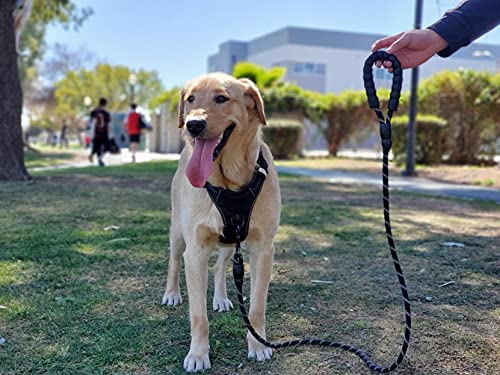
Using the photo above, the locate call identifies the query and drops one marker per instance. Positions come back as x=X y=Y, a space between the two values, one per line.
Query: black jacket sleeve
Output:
x=467 y=22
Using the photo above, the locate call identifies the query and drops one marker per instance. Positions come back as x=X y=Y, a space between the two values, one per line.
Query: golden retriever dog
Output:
x=208 y=106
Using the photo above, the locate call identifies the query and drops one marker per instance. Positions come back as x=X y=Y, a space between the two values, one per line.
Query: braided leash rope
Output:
x=385 y=133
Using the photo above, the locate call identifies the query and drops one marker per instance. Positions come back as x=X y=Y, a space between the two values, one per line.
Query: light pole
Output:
x=87 y=101
x=411 y=130
x=132 y=80
x=87 y=137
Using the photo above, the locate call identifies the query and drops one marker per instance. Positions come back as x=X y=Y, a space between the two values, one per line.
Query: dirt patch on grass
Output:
x=470 y=175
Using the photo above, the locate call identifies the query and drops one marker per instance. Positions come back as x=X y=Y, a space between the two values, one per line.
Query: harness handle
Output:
x=397 y=80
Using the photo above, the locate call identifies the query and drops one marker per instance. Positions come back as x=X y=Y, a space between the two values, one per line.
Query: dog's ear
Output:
x=181 y=107
x=253 y=99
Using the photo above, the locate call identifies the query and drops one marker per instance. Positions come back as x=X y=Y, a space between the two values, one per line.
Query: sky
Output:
x=175 y=37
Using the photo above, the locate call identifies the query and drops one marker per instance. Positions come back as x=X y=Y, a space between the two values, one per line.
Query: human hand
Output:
x=412 y=48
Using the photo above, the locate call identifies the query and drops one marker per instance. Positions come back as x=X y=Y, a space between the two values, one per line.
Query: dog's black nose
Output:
x=196 y=127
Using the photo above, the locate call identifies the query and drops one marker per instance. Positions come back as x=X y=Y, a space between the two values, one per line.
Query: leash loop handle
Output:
x=397 y=80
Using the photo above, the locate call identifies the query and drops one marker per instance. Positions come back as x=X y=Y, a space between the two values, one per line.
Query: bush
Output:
x=345 y=114
x=284 y=99
x=259 y=75
x=431 y=143
x=466 y=99
x=283 y=137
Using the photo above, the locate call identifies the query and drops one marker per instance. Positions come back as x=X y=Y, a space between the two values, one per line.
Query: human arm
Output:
x=456 y=29
x=466 y=22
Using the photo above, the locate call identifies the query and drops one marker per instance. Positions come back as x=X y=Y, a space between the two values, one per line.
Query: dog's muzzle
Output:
x=196 y=127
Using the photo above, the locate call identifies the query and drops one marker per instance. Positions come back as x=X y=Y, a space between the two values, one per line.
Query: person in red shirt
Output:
x=133 y=129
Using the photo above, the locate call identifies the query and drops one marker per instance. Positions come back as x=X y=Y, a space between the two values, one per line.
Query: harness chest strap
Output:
x=236 y=207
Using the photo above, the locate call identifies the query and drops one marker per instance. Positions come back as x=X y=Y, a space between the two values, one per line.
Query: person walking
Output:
x=456 y=29
x=101 y=132
x=63 y=139
x=132 y=124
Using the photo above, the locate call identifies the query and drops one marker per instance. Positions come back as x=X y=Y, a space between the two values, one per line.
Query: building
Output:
x=331 y=61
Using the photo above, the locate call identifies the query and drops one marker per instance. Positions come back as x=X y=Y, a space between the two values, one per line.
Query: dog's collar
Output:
x=222 y=143
x=239 y=204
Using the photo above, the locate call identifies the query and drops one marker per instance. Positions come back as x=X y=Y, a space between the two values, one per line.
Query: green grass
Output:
x=82 y=300
x=50 y=156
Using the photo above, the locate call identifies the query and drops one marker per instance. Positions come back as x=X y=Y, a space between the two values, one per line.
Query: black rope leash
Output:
x=385 y=133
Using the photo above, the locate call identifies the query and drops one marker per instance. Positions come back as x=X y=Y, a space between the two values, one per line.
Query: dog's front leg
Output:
x=220 y=302
x=261 y=263
x=196 y=261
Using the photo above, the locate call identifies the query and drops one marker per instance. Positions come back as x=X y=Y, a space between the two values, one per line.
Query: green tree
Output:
x=109 y=81
x=44 y=13
x=345 y=114
x=171 y=96
x=262 y=77
x=32 y=44
x=490 y=101
x=456 y=97
x=11 y=142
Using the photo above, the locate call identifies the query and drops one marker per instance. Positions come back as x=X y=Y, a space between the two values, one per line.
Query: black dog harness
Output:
x=236 y=207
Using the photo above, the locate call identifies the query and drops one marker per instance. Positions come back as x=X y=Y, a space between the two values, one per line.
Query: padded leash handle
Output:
x=397 y=80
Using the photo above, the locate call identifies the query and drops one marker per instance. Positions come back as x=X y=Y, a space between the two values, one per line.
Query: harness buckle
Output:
x=263 y=171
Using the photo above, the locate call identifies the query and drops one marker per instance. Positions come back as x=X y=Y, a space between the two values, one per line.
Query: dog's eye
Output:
x=221 y=99
x=190 y=99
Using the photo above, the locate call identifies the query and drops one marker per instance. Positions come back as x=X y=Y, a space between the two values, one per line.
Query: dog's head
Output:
x=211 y=107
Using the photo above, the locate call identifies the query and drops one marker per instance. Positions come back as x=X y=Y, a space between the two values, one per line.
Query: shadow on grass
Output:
x=47 y=158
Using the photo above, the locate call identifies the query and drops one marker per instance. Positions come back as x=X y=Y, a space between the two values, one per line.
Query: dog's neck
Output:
x=236 y=164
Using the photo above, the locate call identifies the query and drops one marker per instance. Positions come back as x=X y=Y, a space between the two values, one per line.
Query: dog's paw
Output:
x=258 y=351
x=171 y=299
x=222 y=304
x=195 y=362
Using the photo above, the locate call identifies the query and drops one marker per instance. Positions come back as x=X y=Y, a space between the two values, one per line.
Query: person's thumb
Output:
x=399 y=44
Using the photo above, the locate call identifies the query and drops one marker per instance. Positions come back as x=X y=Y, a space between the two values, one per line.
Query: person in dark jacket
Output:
x=456 y=29
x=100 y=120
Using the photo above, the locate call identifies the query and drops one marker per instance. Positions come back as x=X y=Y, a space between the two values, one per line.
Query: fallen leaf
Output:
x=447 y=283
x=322 y=282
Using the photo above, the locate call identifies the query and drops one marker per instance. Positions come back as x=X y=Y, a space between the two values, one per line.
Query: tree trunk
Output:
x=11 y=101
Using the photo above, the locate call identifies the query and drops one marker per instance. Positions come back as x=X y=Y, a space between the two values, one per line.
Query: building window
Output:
x=233 y=60
x=298 y=68
x=309 y=68
x=382 y=74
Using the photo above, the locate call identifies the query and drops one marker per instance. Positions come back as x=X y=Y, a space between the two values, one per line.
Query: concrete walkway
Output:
x=414 y=184
x=123 y=158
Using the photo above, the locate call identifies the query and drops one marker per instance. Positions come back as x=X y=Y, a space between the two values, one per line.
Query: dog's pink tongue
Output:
x=200 y=165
